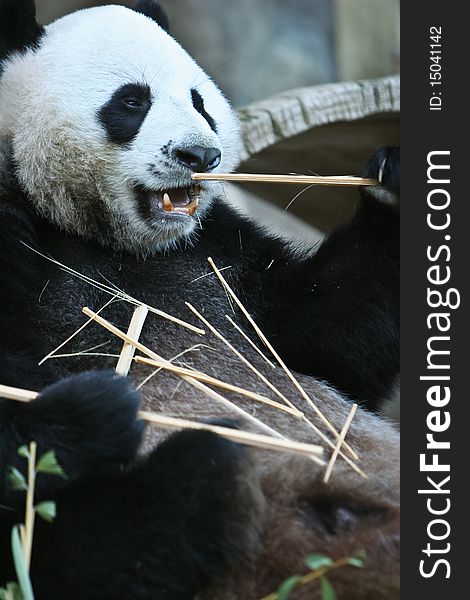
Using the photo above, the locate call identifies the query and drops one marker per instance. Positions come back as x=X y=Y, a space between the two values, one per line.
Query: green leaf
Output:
x=47 y=510
x=327 y=590
x=16 y=480
x=23 y=451
x=48 y=464
x=355 y=561
x=287 y=586
x=317 y=561
x=20 y=565
x=11 y=592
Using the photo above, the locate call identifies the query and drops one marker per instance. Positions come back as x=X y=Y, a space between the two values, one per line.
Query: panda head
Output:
x=104 y=119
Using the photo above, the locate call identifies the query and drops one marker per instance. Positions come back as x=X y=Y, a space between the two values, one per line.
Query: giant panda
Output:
x=102 y=113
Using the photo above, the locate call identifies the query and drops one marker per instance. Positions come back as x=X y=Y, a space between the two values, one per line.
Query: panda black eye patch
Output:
x=198 y=104
x=124 y=113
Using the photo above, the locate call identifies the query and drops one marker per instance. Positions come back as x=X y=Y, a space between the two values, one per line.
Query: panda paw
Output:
x=166 y=527
x=90 y=421
x=385 y=167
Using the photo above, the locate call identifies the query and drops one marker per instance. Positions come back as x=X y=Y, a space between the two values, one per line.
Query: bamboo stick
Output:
x=12 y=393
x=204 y=388
x=249 y=340
x=340 y=180
x=342 y=435
x=277 y=357
x=242 y=437
x=244 y=360
x=217 y=382
x=280 y=443
x=134 y=331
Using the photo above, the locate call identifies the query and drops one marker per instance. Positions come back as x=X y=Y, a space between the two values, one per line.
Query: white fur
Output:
x=50 y=98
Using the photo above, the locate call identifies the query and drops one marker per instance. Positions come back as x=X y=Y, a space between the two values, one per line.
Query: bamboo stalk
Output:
x=340 y=180
x=204 y=388
x=280 y=443
x=12 y=393
x=216 y=382
x=342 y=435
x=134 y=331
x=244 y=360
x=249 y=340
x=242 y=437
x=277 y=357
x=30 y=511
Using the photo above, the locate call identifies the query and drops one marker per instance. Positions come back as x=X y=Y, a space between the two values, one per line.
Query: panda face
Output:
x=107 y=118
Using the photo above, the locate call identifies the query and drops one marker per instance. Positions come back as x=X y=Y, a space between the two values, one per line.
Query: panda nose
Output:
x=198 y=158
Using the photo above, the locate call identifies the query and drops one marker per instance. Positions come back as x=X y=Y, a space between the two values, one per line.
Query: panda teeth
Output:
x=192 y=207
x=167 y=204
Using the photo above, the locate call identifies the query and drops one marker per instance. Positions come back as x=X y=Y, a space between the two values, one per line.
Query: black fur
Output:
x=18 y=27
x=122 y=116
x=154 y=11
x=198 y=104
x=111 y=498
x=166 y=525
x=333 y=315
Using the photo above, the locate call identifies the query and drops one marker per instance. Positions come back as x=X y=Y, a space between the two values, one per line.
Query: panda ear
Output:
x=153 y=10
x=18 y=26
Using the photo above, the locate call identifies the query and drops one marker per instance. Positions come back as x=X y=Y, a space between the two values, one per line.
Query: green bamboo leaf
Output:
x=47 y=510
x=327 y=590
x=287 y=586
x=48 y=464
x=23 y=451
x=11 y=592
x=16 y=480
x=20 y=565
x=317 y=561
x=355 y=561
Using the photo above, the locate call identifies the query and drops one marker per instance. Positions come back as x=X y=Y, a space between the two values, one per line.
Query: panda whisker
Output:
x=279 y=359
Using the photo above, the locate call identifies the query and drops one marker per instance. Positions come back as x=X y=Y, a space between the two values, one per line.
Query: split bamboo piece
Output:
x=204 y=388
x=277 y=357
x=244 y=360
x=298 y=179
x=12 y=393
x=134 y=331
x=247 y=438
x=217 y=383
x=342 y=435
x=243 y=437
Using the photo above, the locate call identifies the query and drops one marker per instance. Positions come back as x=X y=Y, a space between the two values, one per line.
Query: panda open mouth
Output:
x=173 y=202
x=177 y=201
